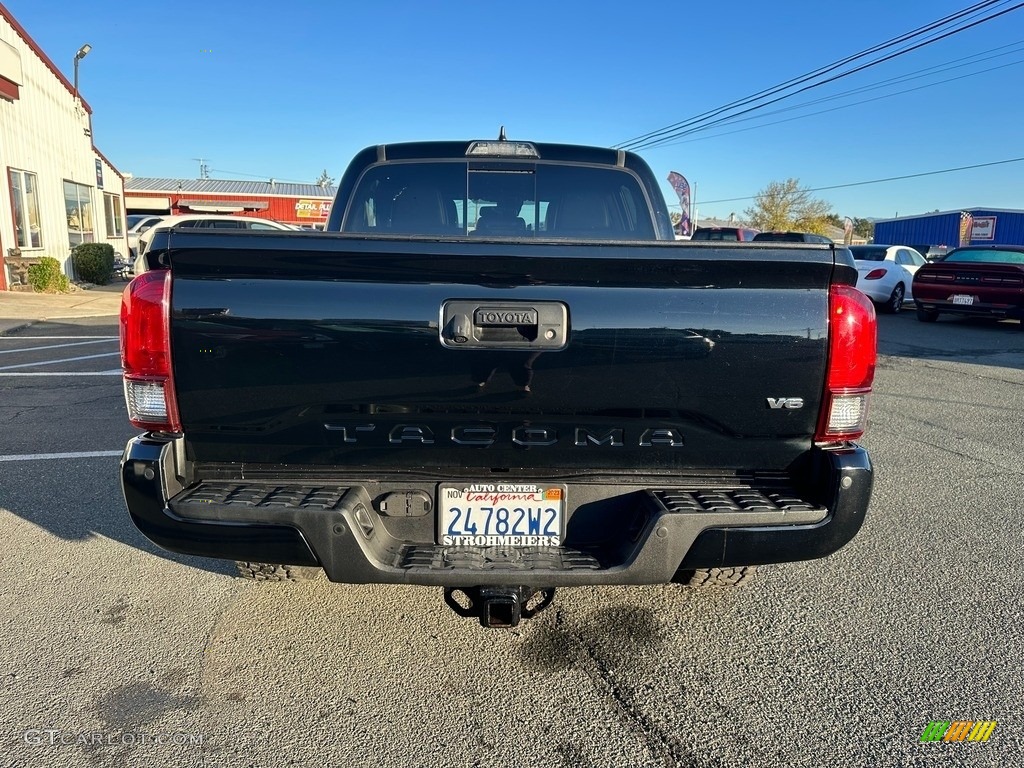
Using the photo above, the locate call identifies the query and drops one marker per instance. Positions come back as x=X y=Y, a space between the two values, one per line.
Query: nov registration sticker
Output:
x=501 y=515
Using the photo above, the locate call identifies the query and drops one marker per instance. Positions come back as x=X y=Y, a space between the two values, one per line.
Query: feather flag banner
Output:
x=682 y=188
x=966 y=227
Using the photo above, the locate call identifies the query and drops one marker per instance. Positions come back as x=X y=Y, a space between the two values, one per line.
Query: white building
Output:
x=57 y=189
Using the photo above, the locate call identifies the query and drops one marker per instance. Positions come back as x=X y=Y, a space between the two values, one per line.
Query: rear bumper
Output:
x=619 y=531
x=1010 y=306
x=874 y=294
x=877 y=291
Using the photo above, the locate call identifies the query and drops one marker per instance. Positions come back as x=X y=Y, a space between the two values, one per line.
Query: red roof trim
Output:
x=8 y=89
x=20 y=30
x=104 y=159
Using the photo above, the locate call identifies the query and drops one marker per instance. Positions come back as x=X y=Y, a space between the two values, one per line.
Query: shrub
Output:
x=47 y=276
x=93 y=262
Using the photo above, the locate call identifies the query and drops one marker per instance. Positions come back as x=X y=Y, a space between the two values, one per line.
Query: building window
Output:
x=27 y=232
x=112 y=208
x=78 y=205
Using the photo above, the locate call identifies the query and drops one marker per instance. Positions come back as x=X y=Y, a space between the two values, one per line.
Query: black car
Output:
x=790 y=237
x=725 y=234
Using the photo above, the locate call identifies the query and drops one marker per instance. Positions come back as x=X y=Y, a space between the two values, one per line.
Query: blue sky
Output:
x=271 y=89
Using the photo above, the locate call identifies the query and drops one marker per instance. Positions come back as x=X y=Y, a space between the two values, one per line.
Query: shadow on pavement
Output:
x=74 y=498
x=78 y=499
x=954 y=339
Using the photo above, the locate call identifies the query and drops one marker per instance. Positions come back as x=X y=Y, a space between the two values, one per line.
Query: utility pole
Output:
x=204 y=169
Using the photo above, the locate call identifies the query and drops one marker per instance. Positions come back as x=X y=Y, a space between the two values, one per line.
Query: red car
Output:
x=979 y=280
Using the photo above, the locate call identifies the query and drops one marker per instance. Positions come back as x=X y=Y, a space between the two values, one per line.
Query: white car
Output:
x=885 y=273
x=137 y=224
x=249 y=223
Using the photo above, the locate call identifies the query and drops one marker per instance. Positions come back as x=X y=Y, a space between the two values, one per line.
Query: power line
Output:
x=952 y=64
x=915 y=75
x=660 y=142
x=803 y=78
x=704 y=120
x=808 y=76
x=878 y=181
x=635 y=143
x=835 y=109
x=901 y=52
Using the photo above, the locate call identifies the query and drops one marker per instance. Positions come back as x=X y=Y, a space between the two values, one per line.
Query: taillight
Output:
x=852 y=350
x=875 y=274
x=146 y=352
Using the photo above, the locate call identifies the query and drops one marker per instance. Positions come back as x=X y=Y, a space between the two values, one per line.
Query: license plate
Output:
x=501 y=515
x=962 y=298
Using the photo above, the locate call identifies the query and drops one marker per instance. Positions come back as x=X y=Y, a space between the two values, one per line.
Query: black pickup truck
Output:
x=497 y=373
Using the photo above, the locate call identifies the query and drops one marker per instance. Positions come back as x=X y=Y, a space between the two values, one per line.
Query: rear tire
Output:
x=716 y=577
x=895 y=302
x=275 y=572
x=927 y=315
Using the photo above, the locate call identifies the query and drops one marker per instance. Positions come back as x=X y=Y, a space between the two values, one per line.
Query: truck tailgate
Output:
x=328 y=350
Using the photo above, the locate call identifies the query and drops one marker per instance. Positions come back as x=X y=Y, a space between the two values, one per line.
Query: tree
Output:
x=785 y=205
x=864 y=228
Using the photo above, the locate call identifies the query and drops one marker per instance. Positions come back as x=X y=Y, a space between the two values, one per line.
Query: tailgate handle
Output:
x=508 y=325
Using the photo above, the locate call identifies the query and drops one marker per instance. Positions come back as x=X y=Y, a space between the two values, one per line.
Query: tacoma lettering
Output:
x=525 y=435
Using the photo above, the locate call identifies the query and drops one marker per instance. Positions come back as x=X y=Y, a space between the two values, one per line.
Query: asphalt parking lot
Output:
x=116 y=653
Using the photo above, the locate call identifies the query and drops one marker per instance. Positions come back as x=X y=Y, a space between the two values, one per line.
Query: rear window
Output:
x=500 y=199
x=860 y=253
x=135 y=218
x=728 y=234
x=987 y=255
x=789 y=237
x=222 y=224
x=778 y=237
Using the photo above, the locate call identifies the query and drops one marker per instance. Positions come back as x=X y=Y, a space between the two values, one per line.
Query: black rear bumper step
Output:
x=736 y=501
x=615 y=534
x=266 y=495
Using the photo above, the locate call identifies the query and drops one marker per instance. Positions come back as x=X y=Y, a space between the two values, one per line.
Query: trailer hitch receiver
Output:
x=498 y=607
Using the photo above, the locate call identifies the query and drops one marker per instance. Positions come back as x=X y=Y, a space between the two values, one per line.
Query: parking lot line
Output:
x=62 y=360
x=55 y=338
x=49 y=456
x=117 y=372
x=56 y=346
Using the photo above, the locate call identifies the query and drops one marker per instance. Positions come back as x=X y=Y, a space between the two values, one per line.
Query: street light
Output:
x=82 y=53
